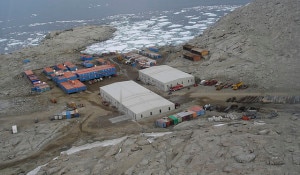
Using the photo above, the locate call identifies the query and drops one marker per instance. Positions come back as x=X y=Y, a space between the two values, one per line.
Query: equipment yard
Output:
x=239 y=116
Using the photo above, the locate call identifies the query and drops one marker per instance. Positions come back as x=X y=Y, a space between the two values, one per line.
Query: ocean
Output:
x=139 y=23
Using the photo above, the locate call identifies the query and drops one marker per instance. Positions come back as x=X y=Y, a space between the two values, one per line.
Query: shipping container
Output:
x=194 y=114
x=198 y=109
x=48 y=71
x=28 y=72
x=160 y=123
x=192 y=57
x=33 y=79
x=70 y=76
x=70 y=66
x=199 y=51
x=153 y=49
x=167 y=121
x=174 y=119
x=178 y=118
x=85 y=57
x=40 y=87
x=72 y=86
x=61 y=67
x=87 y=64
x=95 y=72
x=59 y=79
x=187 y=47
x=185 y=115
x=102 y=61
x=76 y=114
x=68 y=114
x=149 y=54
x=204 y=52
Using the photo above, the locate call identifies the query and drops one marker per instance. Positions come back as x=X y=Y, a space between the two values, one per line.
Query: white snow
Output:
x=210 y=14
x=221 y=124
x=100 y=144
x=94 y=145
x=158 y=30
x=2 y=40
x=36 y=170
x=156 y=134
x=37 y=24
x=175 y=26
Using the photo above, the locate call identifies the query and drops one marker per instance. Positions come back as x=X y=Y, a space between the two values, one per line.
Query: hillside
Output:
x=257 y=44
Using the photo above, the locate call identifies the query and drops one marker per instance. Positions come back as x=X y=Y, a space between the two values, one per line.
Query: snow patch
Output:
x=94 y=145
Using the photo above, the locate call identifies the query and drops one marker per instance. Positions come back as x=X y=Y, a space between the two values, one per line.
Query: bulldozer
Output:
x=239 y=85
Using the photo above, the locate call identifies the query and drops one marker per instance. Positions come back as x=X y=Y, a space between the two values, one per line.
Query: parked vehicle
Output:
x=210 y=82
x=176 y=88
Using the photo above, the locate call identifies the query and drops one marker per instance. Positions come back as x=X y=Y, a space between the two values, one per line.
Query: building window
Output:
x=160 y=111
x=141 y=115
x=169 y=108
x=188 y=81
x=150 y=113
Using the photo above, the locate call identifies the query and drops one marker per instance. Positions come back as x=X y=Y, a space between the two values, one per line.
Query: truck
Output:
x=176 y=88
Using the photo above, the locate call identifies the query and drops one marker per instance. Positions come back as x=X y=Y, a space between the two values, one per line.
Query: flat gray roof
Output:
x=165 y=73
x=135 y=97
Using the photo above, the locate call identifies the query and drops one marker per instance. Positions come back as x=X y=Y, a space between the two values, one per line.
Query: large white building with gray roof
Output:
x=134 y=100
x=164 y=77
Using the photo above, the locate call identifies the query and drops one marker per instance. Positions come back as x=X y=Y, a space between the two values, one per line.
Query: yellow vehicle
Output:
x=239 y=85
x=119 y=56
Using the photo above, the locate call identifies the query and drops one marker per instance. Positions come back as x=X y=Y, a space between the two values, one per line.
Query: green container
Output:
x=178 y=118
x=175 y=119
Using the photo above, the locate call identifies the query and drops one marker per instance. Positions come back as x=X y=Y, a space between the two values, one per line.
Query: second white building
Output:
x=164 y=77
x=134 y=100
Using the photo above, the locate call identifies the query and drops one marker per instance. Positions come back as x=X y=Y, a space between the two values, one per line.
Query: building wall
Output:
x=166 y=86
x=153 y=112
x=184 y=81
x=135 y=116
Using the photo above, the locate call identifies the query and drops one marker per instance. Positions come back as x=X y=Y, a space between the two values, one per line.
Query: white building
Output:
x=134 y=100
x=164 y=77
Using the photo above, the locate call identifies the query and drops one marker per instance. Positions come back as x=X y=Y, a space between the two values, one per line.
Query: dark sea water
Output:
x=139 y=22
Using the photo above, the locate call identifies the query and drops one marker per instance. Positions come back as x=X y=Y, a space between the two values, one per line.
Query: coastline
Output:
x=57 y=47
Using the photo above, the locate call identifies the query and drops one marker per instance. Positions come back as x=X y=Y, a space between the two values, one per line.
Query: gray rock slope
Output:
x=258 y=44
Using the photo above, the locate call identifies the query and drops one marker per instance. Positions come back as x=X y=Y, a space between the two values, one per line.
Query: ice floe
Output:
x=155 y=28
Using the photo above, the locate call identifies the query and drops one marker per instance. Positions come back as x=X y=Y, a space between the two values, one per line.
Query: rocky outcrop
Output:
x=257 y=43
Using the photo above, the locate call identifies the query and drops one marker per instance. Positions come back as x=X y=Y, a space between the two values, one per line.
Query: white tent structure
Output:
x=164 y=77
x=134 y=100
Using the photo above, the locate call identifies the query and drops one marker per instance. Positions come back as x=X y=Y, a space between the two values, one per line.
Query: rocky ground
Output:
x=195 y=147
x=258 y=44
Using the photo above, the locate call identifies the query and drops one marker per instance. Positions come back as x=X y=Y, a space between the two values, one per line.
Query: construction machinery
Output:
x=219 y=86
x=119 y=57
x=239 y=85
x=71 y=105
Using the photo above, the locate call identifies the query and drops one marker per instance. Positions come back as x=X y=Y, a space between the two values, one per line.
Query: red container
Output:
x=69 y=75
x=61 y=67
x=28 y=72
